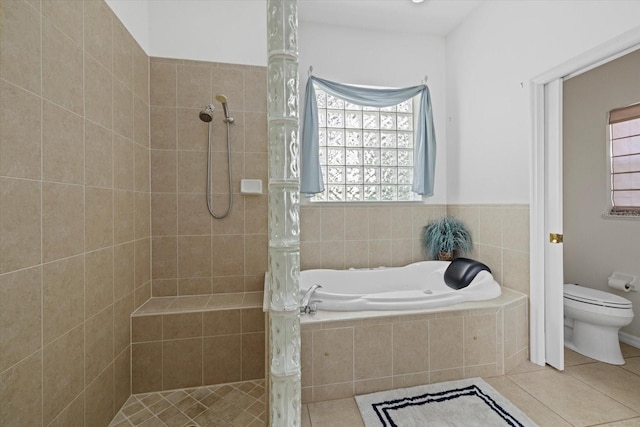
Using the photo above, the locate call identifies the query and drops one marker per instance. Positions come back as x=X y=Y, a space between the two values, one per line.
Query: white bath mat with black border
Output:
x=463 y=403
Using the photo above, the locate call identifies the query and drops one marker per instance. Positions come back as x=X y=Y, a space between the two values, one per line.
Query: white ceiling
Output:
x=432 y=17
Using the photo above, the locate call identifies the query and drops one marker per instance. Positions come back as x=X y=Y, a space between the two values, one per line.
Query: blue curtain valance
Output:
x=425 y=137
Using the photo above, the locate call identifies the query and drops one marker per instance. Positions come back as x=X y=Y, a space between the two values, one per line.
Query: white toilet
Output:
x=592 y=319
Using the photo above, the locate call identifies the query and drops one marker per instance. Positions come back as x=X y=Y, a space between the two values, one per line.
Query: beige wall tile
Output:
x=163 y=127
x=20 y=131
x=62 y=143
x=192 y=132
x=140 y=73
x=142 y=294
x=122 y=54
x=194 y=256
x=21 y=41
x=141 y=121
x=222 y=322
x=227 y=284
x=164 y=169
x=66 y=16
x=310 y=218
x=98 y=89
x=98 y=37
x=192 y=172
x=99 y=406
x=20 y=315
x=122 y=310
x=356 y=223
x=231 y=83
x=142 y=168
x=121 y=378
x=124 y=269
x=255 y=91
x=98 y=285
x=410 y=380
x=447 y=375
x=358 y=254
x=306 y=358
x=252 y=320
x=62 y=220
x=62 y=296
x=446 y=343
x=165 y=257
x=193 y=216
x=255 y=254
x=63 y=372
x=146 y=328
x=332 y=224
x=222 y=366
x=142 y=214
x=255 y=127
x=490 y=225
x=62 y=69
x=98 y=218
x=163 y=84
x=193 y=86
x=401 y=252
x=21 y=393
x=492 y=256
x=72 y=415
x=332 y=254
x=253 y=356
x=164 y=207
x=185 y=325
x=379 y=253
x=146 y=367
x=410 y=347
x=516 y=270
x=333 y=354
x=194 y=286
x=123 y=163
x=123 y=210
x=255 y=168
x=182 y=363
x=379 y=223
x=516 y=229
x=98 y=341
x=310 y=255
x=255 y=214
x=401 y=223
x=372 y=386
x=234 y=223
x=98 y=156
x=20 y=236
x=480 y=340
x=143 y=261
x=164 y=287
x=373 y=351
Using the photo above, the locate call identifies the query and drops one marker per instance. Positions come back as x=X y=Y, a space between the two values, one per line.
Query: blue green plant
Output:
x=446 y=234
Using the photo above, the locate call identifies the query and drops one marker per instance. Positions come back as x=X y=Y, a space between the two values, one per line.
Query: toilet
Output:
x=592 y=319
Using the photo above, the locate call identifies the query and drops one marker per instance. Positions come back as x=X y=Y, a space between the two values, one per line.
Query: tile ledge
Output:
x=199 y=303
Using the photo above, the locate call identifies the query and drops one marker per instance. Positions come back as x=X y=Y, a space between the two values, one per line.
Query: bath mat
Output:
x=464 y=403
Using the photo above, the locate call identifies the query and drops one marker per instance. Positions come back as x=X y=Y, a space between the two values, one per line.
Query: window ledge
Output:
x=627 y=217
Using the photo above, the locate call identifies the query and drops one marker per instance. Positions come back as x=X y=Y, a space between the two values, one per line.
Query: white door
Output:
x=553 y=256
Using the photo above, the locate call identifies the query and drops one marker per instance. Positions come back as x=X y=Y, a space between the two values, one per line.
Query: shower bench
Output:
x=190 y=341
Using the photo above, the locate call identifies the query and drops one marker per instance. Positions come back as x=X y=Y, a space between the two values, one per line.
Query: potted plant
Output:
x=444 y=236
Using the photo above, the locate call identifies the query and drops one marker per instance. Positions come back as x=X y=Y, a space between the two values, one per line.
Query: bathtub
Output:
x=417 y=286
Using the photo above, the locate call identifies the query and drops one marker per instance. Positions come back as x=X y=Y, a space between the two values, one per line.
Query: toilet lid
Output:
x=594 y=296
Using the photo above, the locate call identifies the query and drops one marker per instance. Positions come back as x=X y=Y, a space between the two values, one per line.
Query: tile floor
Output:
x=238 y=404
x=587 y=393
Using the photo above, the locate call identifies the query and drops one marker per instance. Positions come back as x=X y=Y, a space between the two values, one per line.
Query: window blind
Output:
x=624 y=128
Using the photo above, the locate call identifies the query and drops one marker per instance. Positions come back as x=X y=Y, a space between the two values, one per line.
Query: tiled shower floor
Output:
x=236 y=404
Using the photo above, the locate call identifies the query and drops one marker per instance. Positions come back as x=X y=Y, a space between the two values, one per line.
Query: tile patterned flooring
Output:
x=587 y=393
x=237 y=404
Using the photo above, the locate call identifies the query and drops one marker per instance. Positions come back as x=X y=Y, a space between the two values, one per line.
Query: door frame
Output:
x=541 y=206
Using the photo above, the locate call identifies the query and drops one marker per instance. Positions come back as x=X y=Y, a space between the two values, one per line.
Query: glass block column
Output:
x=284 y=197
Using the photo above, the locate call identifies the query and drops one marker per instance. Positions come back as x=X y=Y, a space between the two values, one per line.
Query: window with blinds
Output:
x=624 y=130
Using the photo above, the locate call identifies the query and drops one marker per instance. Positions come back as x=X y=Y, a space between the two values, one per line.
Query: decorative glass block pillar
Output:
x=284 y=197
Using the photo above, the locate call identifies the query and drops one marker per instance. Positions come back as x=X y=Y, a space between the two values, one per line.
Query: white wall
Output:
x=502 y=44
x=380 y=59
x=231 y=31
x=134 y=14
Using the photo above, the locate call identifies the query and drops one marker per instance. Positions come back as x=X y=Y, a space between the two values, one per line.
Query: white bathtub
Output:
x=416 y=286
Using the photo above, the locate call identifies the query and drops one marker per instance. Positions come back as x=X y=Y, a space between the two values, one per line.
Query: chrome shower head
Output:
x=223 y=100
x=206 y=115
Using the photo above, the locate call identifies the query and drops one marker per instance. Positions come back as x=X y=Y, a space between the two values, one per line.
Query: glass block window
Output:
x=366 y=153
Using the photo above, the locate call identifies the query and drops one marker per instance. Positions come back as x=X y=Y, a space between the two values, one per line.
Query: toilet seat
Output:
x=595 y=297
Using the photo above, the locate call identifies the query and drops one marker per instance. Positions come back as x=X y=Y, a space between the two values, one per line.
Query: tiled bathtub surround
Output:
x=391 y=235
x=193 y=253
x=197 y=340
x=74 y=211
x=363 y=355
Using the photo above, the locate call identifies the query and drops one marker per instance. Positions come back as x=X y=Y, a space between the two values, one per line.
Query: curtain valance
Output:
x=425 y=138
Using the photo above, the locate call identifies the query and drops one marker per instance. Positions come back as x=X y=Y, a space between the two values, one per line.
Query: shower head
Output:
x=206 y=115
x=223 y=100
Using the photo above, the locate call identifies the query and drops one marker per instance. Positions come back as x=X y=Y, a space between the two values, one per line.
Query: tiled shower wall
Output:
x=75 y=210
x=369 y=236
x=193 y=253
